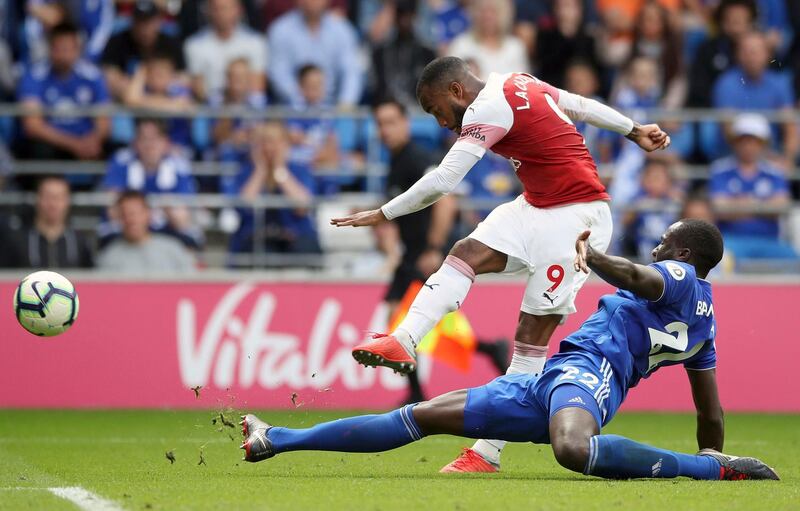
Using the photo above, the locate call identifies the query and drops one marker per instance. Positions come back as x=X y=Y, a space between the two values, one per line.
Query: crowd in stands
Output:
x=312 y=64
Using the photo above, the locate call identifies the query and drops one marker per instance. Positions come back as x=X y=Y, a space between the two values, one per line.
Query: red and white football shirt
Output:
x=517 y=116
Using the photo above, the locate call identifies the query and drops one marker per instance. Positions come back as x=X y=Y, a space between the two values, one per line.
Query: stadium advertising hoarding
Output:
x=284 y=345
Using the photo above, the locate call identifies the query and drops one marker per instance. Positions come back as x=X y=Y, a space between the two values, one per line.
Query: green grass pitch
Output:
x=120 y=456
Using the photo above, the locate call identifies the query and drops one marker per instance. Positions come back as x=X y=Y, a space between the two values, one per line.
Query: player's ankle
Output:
x=405 y=340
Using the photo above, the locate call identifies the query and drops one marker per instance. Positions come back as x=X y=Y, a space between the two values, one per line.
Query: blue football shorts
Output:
x=518 y=407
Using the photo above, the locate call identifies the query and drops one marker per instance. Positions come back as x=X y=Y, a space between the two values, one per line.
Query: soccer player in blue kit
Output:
x=661 y=315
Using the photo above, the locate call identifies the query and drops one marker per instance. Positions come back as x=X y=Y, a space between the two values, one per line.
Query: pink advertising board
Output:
x=258 y=344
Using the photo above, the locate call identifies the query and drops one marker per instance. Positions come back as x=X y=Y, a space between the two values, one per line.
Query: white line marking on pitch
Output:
x=84 y=499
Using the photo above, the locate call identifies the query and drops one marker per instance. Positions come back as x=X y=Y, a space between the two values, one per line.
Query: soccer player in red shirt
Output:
x=530 y=123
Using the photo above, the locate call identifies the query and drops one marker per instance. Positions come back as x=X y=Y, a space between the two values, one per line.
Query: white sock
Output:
x=444 y=292
x=520 y=364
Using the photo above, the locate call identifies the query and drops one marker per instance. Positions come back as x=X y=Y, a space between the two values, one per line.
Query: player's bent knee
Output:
x=571 y=451
x=481 y=258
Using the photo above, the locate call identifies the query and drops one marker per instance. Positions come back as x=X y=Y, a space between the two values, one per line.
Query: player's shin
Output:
x=364 y=433
x=617 y=457
x=444 y=291
x=527 y=359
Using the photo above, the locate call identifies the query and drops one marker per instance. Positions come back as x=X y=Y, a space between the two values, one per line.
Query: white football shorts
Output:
x=541 y=241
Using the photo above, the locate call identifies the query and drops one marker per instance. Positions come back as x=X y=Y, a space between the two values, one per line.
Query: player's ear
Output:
x=457 y=89
x=683 y=254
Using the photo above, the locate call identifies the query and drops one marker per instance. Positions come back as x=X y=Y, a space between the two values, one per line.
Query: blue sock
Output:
x=617 y=457
x=364 y=433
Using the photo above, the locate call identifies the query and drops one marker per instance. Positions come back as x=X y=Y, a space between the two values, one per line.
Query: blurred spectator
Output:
x=794 y=52
x=655 y=37
x=398 y=63
x=267 y=170
x=733 y=18
x=6 y=71
x=6 y=164
x=95 y=19
x=209 y=52
x=566 y=41
x=746 y=181
x=639 y=87
x=238 y=95
x=155 y=86
x=750 y=85
x=580 y=77
x=153 y=166
x=64 y=83
x=194 y=14
x=489 y=42
x=139 y=251
x=653 y=209
x=274 y=9
x=699 y=207
x=528 y=16
x=127 y=49
x=311 y=34
x=313 y=139
x=50 y=242
x=450 y=19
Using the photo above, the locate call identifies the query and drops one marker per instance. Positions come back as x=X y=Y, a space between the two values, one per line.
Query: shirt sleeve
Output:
x=101 y=94
x=705 y=359
x=281 y=67
x=435 y=184
x=352 y=75
x=579 y=108
x=116 y=176
x=486 y=121
x=29 y=88
x=679 y=280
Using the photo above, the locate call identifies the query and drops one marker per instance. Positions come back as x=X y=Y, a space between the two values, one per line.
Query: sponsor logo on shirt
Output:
x=474 y=132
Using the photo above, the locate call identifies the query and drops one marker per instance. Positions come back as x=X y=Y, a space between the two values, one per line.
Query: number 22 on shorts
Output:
x=573 y=373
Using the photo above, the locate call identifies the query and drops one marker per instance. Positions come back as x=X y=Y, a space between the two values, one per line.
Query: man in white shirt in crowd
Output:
x=209 y=52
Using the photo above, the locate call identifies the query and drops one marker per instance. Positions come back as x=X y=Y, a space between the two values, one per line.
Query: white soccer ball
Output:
x=46 y=303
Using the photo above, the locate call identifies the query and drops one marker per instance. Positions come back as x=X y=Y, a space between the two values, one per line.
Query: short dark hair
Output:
x=131 y=195
x=440 y=71
x=703 y=239
x=724 y=5
x=62 y=29
x=305 y=69
x=390 y=101
x=160 y=54
x=160 y=124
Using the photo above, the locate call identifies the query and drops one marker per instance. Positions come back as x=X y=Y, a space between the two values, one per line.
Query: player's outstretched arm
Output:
x=641 y=280
x=710 y=418
x=430 y=188
x=578 y=108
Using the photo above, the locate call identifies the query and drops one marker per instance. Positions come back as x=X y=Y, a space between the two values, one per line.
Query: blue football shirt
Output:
x=638 y=336
x=83 y=87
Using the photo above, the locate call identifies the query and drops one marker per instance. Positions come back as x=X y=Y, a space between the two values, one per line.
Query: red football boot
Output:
x=469 y=461
x=385 y=350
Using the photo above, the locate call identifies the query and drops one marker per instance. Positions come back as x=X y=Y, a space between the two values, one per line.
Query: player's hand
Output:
x=580 y=249
x=360 y=219
x=649 y=137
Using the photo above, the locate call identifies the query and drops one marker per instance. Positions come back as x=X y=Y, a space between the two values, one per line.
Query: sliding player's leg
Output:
x=443 y=292
x=503 y=409
x=575 y=420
